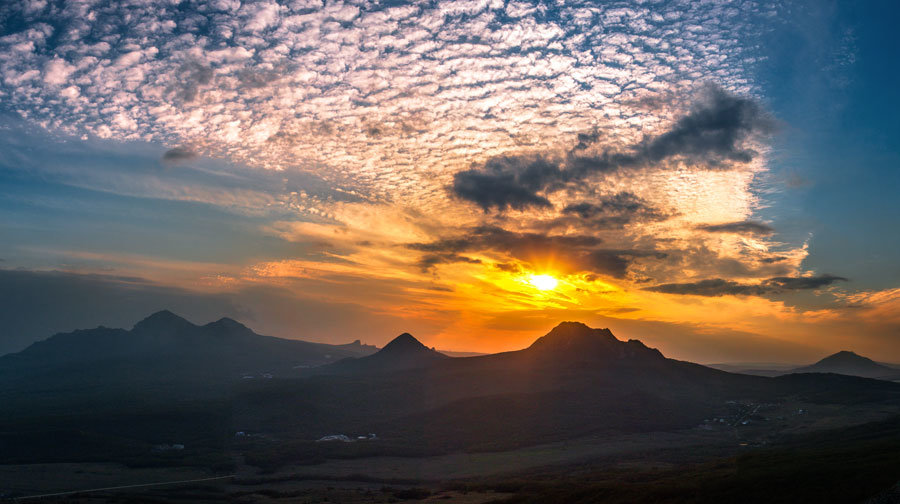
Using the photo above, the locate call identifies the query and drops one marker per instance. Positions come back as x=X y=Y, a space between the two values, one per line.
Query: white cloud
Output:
x=57 y=72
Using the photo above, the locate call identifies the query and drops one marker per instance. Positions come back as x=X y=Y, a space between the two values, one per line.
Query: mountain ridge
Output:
x=165 y=346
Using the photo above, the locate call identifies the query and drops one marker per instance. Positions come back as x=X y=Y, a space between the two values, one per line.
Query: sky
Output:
x=716 y=178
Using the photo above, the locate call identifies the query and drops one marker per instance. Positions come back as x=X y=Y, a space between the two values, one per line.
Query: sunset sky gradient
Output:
x=718 y=179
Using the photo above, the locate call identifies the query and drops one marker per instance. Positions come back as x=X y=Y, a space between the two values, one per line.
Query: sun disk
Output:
x=543 y=282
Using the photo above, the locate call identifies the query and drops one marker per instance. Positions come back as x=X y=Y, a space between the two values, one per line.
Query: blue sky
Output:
x=829 y=78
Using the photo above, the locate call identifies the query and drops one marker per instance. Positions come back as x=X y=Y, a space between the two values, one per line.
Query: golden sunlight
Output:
x=543 y=282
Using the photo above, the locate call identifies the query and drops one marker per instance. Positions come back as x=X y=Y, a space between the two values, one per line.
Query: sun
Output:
x=543 y=282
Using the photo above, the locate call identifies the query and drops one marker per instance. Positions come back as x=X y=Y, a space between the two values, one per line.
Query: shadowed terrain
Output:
x=220 y=398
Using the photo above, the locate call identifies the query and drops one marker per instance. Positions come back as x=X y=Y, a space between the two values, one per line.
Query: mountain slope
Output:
x=849 y=363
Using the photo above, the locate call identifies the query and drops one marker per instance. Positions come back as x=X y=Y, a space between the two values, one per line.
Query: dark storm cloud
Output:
x=178 y=155
x=742 y=227
x=713 y=134
x=721 y=287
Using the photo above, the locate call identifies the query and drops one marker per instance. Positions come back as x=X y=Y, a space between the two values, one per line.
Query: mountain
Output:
x=163 y=348
x=849 y=363
x=575 y=341
x=571 y=382
x=403 y=352
x=167 y=380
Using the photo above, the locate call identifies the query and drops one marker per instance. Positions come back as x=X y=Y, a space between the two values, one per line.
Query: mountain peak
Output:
x=849 y=363
x=227 y=323
x=574 y=334
x=575 y=340
x=404 y=351
x=405 y=342
x=847 y=358
x=162 y=320
x=846 y=354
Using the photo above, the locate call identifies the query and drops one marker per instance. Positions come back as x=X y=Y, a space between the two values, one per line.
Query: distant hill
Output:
x=165 y=348
x=403 y=352
x=849 y=363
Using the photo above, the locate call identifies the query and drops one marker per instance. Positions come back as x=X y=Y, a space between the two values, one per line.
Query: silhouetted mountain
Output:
x=165 y=348
x=849 y=363
x=403 y=352
x=575 y=341
x=572 y=382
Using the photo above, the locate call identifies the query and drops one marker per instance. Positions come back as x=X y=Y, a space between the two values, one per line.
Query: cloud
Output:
x=572 y=253
x=496 y=238
x=57 y=72
x=611 y=211
x=192 y=76
x=178 y=155
x=429 y=261
x=742 y=227
x=449 y=84
x=508 y=182
x=715 y=133
x=722 y=287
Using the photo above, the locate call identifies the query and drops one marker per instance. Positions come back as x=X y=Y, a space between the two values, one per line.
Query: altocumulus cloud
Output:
x=265 y=74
